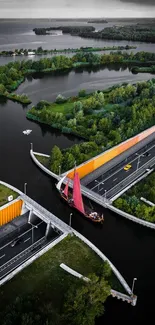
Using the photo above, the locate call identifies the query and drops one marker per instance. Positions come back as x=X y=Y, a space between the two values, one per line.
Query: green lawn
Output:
x=61 y=108
x=4 y=193
x=43 y=160
x=45 y=277
x=46 y=280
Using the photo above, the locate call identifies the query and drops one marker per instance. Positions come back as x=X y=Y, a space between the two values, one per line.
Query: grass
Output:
x=44 y=278
x=43 y=160
x=4 y=193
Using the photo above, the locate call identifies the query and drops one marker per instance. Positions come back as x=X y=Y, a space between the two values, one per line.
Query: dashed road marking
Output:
x=27 y=239
x=2 y=256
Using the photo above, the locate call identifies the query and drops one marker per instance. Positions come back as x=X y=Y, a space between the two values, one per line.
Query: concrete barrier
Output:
x=131 y=217
x=104 y=258
x=92 y=164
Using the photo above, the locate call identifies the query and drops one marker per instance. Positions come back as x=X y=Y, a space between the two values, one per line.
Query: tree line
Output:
x=138 y=33
x=103 y=119
x=14 y=73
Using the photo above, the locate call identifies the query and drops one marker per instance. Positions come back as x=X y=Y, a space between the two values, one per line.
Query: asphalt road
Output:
x=12 y=257
x=108 y=180
x=27 y=237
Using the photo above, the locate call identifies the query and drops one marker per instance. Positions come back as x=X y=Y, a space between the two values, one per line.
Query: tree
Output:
x=77 y=107
x=60 y=99
x=55 y=159
x=68 y=161
x=85 y=302
x=2 y=89
x=82 y=93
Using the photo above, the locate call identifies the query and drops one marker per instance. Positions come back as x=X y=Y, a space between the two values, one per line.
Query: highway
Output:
x=32 y=240
x=7 y=252
x=114 y=176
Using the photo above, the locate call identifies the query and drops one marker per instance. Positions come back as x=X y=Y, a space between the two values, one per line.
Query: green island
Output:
x=139 y=33
x=46 y=294
x=102 y=118
x=14 y=73
x=41 y=51
x=150 y=69
x=73 y=30
x=131 y=203
x=4 y=193
x=97 y=21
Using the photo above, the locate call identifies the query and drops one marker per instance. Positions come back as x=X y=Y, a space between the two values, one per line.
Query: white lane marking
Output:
x=114 y=179
x=2 y=256
x=20 y=236
x=117 y=171
x=27 y=239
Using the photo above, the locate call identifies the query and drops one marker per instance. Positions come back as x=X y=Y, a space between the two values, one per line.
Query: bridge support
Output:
x=32 y=217
x=48 y=230
x=24 y=208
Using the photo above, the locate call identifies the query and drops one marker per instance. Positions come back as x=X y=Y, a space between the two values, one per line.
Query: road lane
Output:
x=26 y=241
x=108 y=180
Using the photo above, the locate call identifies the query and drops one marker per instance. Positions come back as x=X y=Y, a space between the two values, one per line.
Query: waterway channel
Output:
x=129 y=246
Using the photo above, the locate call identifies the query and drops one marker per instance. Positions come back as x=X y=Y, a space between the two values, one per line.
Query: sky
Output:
x=76 y=8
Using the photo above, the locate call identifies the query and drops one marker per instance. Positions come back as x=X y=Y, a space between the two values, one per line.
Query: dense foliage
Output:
x=73 y=30
x=142 y=33
x=44 y=294
x=130 y=202
x=40 y=50
x=104 y=119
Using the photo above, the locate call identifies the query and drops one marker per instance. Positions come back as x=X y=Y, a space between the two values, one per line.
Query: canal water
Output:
x=129 y=246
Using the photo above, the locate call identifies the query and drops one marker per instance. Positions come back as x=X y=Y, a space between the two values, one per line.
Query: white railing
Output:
x=104 y=258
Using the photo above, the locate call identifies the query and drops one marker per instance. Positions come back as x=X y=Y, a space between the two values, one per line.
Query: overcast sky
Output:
x=76 y=8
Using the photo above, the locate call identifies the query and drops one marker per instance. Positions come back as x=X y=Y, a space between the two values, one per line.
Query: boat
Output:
x=74 y=199
x=27 y=132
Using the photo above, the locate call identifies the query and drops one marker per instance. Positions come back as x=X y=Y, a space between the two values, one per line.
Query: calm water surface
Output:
x=129 y=246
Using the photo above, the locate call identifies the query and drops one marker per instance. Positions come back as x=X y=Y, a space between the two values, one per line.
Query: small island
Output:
x=73 y=30
x=97 y=21
x=138 y=33
x=41 y=51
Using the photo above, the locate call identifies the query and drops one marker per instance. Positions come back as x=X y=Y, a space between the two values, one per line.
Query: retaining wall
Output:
x=104 y=258
x=130 y=217
x=10 y=211
x=96 y=162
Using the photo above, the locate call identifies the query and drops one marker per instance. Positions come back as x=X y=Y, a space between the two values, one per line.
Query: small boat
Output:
x=27 y=132
x=75 y=200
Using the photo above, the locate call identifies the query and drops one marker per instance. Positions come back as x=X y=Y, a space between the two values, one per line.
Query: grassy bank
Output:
x=43 y=160
x=42 y=286
x=131 y=203
x=4 y=193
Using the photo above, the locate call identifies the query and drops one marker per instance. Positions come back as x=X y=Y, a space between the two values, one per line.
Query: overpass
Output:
x=18 y=261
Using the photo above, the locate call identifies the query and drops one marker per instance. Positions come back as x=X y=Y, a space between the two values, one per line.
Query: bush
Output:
x=60 y=99
x=82 y=93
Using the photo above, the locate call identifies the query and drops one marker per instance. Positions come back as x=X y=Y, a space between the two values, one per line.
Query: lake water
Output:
x=129 y=246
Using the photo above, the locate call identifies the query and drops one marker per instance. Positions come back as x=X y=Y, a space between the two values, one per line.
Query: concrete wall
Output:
x=96 y=162
x=10 y=211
